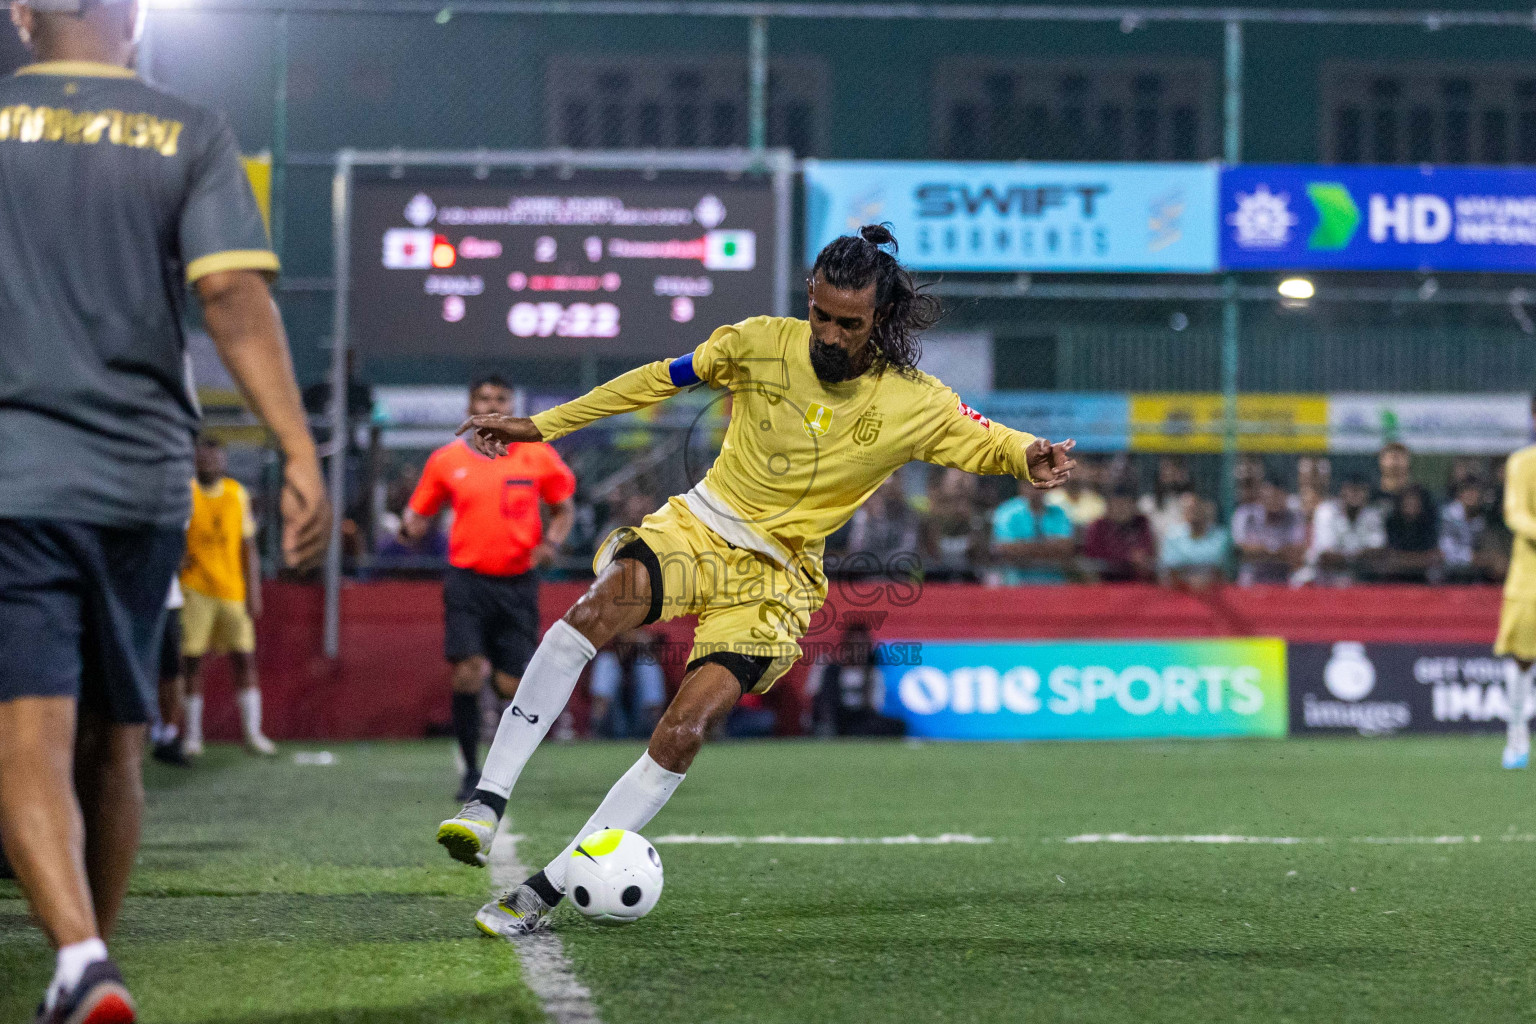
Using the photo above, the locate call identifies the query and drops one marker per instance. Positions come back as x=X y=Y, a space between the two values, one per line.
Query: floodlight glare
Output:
x=1297 y=288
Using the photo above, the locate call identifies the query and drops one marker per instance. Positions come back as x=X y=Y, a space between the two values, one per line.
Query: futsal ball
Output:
x=614 y=876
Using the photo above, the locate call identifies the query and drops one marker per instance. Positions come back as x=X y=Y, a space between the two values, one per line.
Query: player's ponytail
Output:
x=902 y=309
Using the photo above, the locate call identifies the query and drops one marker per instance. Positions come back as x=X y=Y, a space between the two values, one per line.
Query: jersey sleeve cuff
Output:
x=233 y=259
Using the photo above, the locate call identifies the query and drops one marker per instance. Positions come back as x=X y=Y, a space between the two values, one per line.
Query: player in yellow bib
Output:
x=823 y=412
x=221 y=580
x=1517 y=619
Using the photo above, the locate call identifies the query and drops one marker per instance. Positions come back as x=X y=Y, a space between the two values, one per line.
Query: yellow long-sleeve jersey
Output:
x=1520 y=517
x=800 y=456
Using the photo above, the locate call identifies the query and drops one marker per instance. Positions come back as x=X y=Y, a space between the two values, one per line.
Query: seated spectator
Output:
x=628 y=686
x=1348 y=534
x=1195 y=552
x=1413 y=539
x=1462 y=522
x=1079 y=497
x=952 y=534
x=1032 y=538
x=1395 y=475
x=1164 y=507
x=885 y=526
x=1121 y=544
x=848 y=692
x=1270 y=537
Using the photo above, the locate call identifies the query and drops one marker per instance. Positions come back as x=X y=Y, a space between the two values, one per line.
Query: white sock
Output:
x=250 y=710
x=195 y=719
x=1519 y=706
x=71 y=964
x=541 y=696
x=630 y=804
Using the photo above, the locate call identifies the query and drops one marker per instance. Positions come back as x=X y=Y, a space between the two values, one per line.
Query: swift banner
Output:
x=1283 y=217
x=1097 y=690
x=1021 y=216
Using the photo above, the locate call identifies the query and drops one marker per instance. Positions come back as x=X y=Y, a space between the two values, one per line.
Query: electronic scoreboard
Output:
x=545 y=265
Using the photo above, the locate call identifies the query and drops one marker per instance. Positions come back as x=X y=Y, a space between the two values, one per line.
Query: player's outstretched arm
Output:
x=246 y=329
x=961 y=438
x=1520 y=498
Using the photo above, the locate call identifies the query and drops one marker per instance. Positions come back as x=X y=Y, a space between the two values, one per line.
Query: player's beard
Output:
x=831 y=362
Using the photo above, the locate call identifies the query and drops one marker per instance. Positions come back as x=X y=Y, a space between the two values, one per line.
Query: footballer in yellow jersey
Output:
x=221 y=582
x=824 y=410
x=1517 y=618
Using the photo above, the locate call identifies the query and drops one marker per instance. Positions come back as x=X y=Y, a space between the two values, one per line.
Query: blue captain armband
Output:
x=681 y=371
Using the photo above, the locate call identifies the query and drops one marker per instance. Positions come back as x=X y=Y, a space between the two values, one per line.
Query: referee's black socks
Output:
x=466 y=728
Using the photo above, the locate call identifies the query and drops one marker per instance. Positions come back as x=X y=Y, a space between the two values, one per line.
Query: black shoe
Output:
x=171 y=753
x=467 y=786
x=99 y=998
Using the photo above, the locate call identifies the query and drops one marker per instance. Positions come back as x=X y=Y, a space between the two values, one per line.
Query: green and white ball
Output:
x=614 y=876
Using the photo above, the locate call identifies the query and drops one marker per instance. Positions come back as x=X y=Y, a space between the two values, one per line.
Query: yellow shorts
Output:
x=213 y=625
x=745 y=603
x=1517 y=629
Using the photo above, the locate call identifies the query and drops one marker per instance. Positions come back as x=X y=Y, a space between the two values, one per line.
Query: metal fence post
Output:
x=1232 y=152
x=341 y=223
x=279 y=130
x=757 y=83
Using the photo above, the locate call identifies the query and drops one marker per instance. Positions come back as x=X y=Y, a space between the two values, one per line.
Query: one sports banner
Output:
x=965 y=216
x=1088 y=690
x=1306 y=217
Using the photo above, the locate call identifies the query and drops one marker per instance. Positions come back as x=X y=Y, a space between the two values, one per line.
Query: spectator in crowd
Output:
x=1348 y=534
x=1269 y=535
x=1250 y=474
x=952 y=534
x=1462 y=522
x=1121 y=543
x=628 y=687
x=883 y=527
x=849 y=691
x=1413 y=538
x=1195 y=552
x=1164 y=507
x=1463 y=468
x=1394 y=469
x=1080 y=496
x=1032 y=539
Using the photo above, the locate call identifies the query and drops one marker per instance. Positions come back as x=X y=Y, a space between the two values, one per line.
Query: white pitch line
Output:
x=546 y=968
x=1222 y=840
x=945 y=839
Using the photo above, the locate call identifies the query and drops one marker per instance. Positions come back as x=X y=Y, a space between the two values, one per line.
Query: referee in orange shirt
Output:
x=498 y=539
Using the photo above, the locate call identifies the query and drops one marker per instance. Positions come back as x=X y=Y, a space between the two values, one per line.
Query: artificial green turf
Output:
x=274 y=892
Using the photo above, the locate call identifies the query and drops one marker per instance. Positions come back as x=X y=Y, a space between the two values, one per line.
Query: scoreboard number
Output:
x=556 y=320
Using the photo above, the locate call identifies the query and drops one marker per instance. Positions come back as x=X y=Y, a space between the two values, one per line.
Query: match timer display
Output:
x=545 y=266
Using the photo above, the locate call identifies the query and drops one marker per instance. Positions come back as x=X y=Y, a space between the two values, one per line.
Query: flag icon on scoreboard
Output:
x=408 y=249
x=730 y=250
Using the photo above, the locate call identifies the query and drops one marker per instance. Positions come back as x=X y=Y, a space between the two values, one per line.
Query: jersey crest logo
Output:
x=818 y=420
x=867 y=428
x=973 y=414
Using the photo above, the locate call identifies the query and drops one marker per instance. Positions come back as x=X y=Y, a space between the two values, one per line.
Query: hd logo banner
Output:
x=1021 y=216
x=1301 y=217
x=1098 y=690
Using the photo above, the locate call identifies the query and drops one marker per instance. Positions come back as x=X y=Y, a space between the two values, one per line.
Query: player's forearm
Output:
x=997 y=451
x=248 y=333
x=643 y=386
x=560 y=524
x=1517 y=508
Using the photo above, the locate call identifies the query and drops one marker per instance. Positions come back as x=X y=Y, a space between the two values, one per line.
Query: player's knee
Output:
x=676 y=740
x=598 y=616
x=469 y=675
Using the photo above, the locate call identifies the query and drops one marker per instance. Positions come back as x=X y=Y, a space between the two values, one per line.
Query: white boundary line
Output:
x=1223 y=840
x=546 y=968
x=946 y=839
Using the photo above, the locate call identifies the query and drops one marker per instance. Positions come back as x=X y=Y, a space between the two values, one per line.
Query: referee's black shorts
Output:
x=496 y=617
x=81 y=613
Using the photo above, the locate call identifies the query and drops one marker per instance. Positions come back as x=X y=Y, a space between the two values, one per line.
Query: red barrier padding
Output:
x=391 y=679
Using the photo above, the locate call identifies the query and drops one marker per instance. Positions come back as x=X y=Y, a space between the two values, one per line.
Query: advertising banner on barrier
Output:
x=1439 y=424
x=1090 y=690
x=1021 y=216
x=1098 y=421
x=1195 y=423
x=1380 y=689
x=1313 y=217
